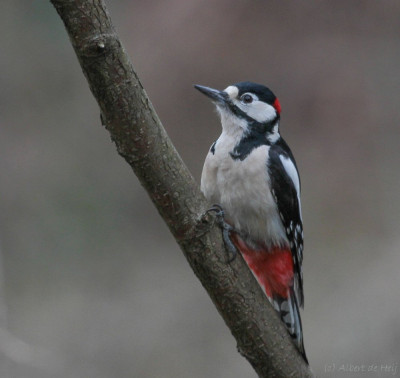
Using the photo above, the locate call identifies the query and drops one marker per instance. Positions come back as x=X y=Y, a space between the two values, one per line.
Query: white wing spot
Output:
x=294 y=176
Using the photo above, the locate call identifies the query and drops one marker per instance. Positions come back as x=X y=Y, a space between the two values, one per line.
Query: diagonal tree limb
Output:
x=140 y=138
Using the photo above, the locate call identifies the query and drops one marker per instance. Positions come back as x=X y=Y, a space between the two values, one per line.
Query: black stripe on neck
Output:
x=254 y=137
x=212 y=149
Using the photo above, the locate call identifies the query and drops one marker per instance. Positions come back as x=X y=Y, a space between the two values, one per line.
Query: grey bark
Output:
x=134 y=127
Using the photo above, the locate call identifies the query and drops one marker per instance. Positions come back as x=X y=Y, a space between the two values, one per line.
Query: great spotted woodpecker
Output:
x=250 y=172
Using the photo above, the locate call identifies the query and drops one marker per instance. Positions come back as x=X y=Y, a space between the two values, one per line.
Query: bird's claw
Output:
x=218 y=210
x=226 y=230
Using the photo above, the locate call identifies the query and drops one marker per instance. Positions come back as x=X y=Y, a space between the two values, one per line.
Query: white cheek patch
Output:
x=232 y=91
x=258 y=110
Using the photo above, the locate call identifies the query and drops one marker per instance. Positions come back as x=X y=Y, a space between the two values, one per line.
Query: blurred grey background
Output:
x=92 y=283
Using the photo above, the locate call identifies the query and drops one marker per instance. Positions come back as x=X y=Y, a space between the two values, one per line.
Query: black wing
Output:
x=282 y=167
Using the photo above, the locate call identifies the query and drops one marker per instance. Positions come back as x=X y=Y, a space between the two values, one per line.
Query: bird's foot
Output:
x=226 y=230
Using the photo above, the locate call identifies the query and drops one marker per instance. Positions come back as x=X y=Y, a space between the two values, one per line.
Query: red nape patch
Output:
x=273 y=267
x=277 y=106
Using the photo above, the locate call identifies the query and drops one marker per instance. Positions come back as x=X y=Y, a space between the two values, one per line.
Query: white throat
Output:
x=235 y=127
x=231 y=124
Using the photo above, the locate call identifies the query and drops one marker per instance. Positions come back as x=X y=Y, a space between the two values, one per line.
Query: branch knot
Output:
x=99 y=45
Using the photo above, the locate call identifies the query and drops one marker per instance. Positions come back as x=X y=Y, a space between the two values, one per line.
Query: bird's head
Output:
x=248 y=106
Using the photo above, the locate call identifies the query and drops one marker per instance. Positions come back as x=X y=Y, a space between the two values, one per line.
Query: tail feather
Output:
x=288 y=310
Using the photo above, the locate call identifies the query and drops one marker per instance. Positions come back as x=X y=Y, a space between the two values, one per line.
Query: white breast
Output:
x=242 y=188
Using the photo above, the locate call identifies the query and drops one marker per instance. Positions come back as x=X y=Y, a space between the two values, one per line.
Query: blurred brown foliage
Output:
x=90 y=272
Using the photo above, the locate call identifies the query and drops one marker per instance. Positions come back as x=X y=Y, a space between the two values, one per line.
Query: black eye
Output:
x=247 y=99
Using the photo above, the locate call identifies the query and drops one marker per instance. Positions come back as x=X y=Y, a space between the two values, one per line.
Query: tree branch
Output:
x=140 y=138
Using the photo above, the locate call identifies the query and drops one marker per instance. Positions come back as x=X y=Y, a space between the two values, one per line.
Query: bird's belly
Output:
x=242 y=189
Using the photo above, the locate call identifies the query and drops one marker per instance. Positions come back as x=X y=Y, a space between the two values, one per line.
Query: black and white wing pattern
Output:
x=285 y=187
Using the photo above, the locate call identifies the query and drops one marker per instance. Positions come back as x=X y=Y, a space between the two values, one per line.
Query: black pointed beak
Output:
x=220 y=97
